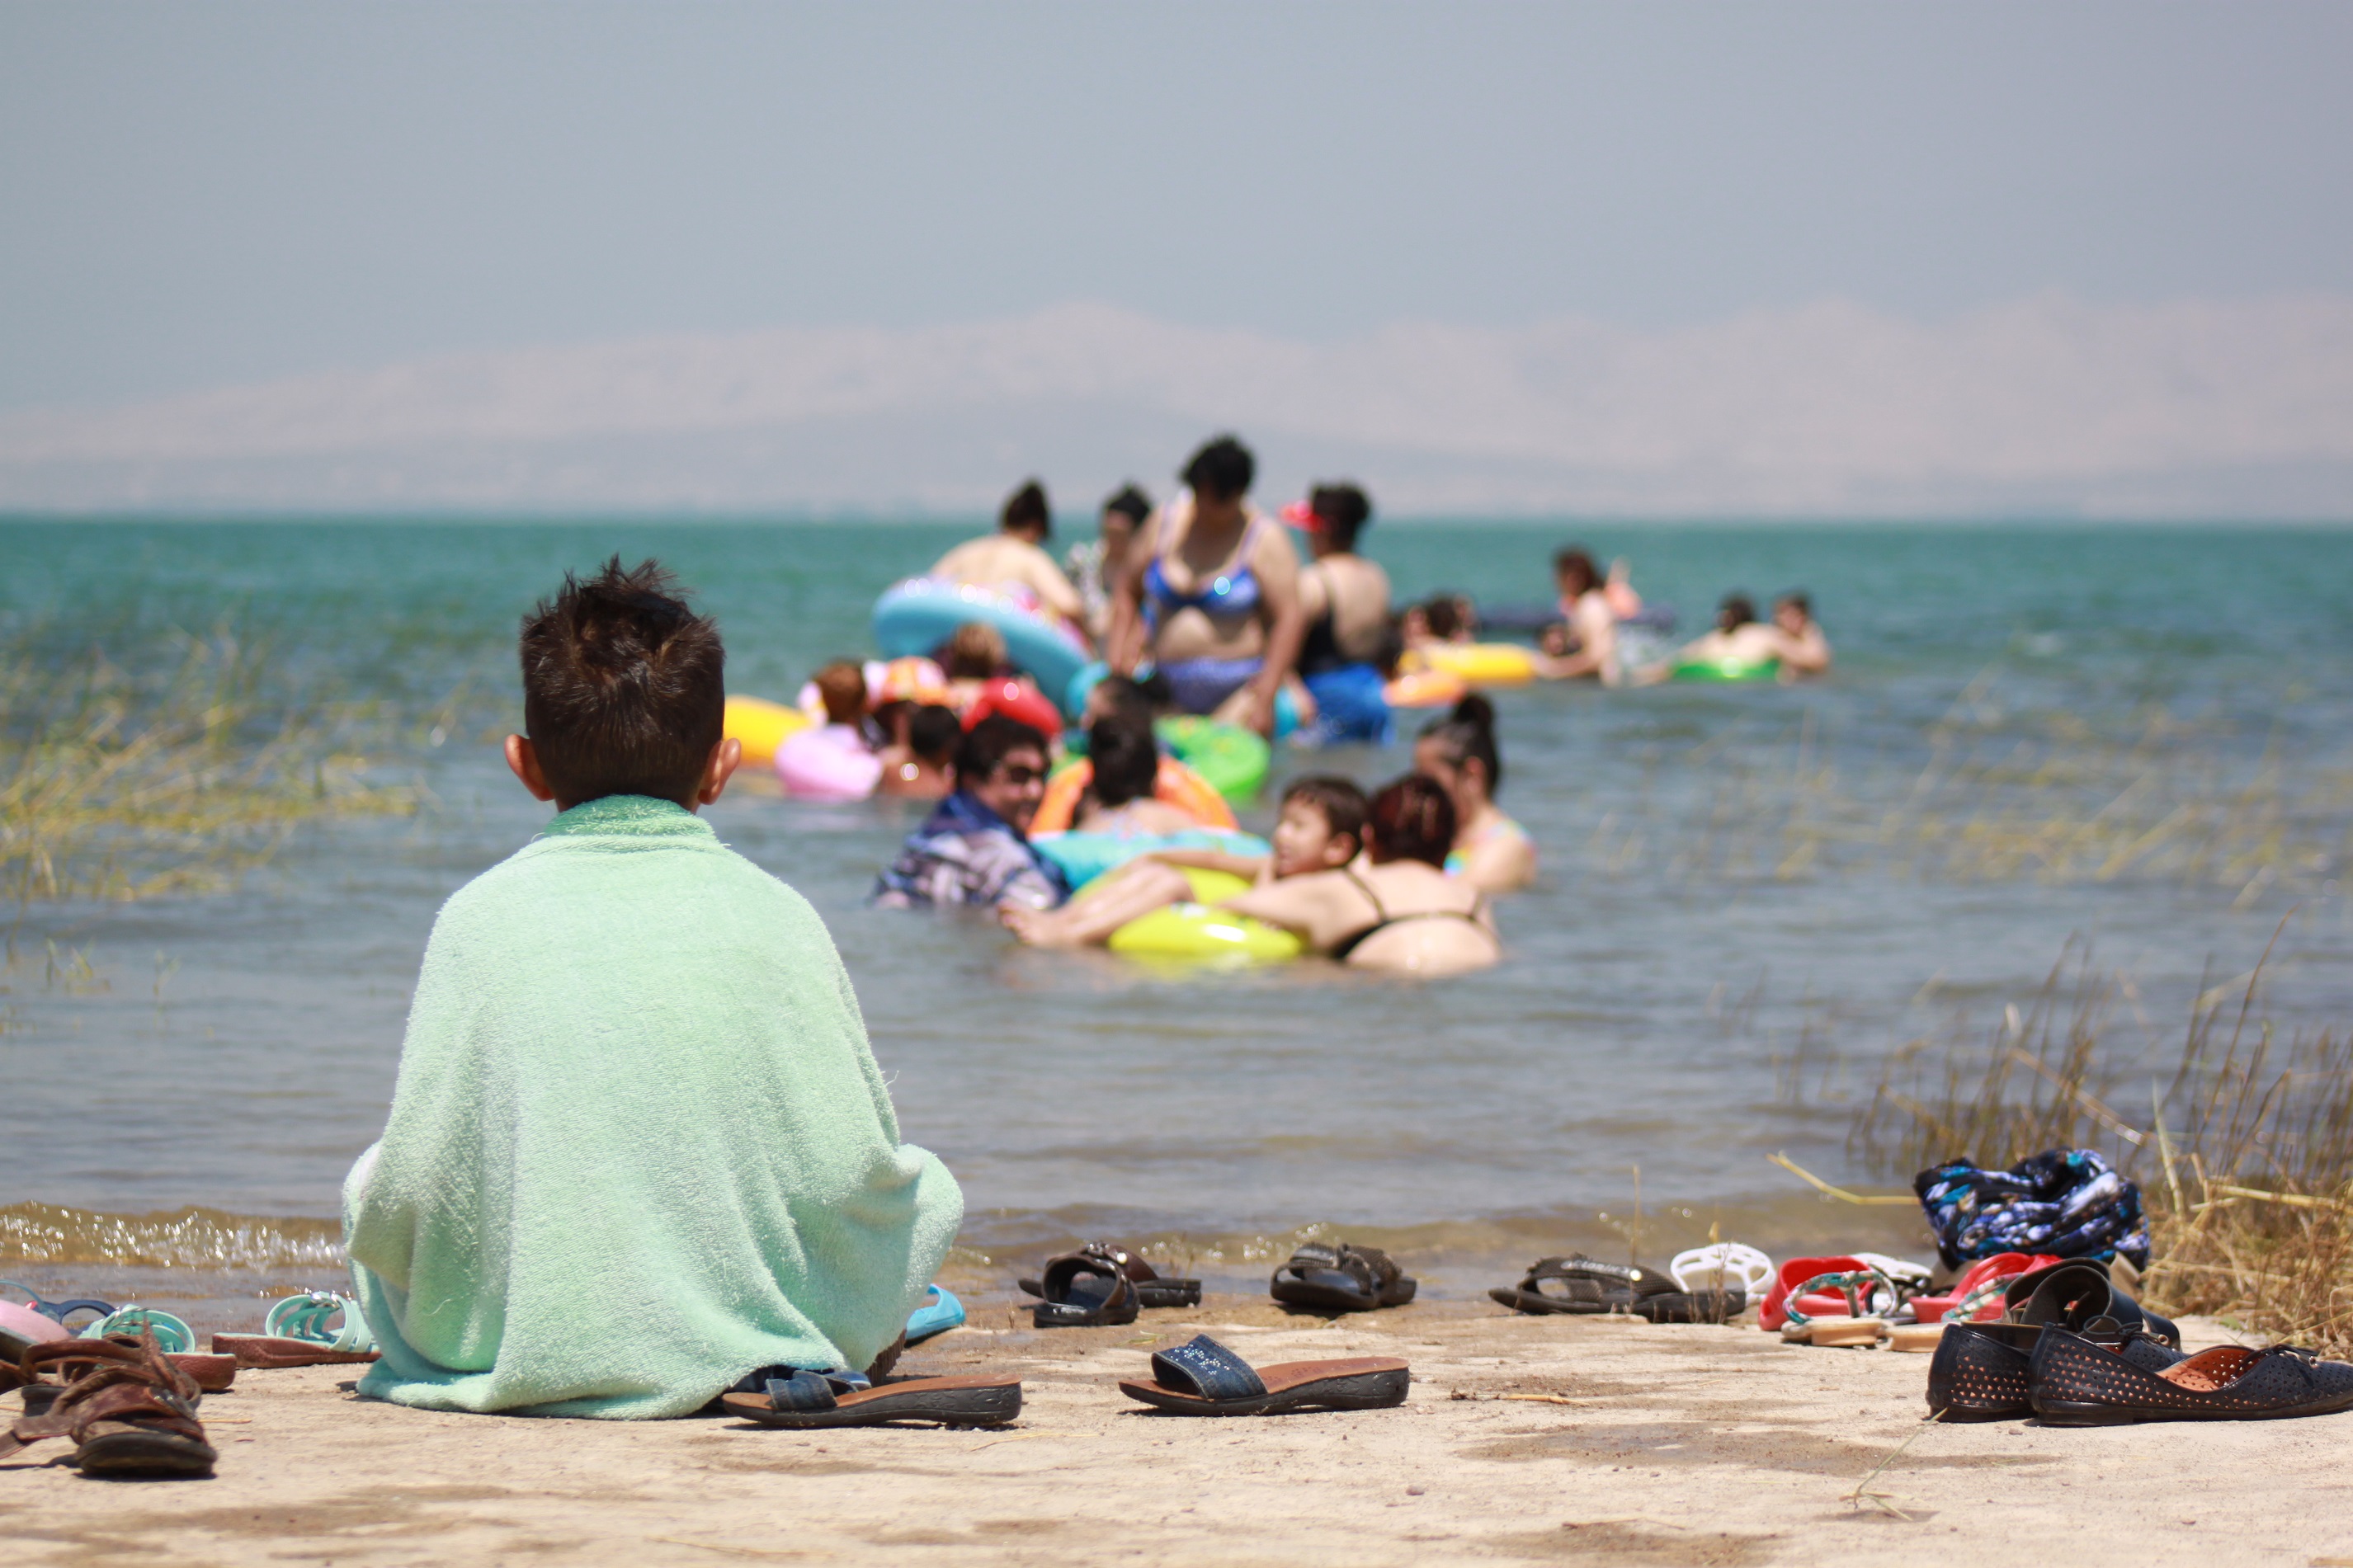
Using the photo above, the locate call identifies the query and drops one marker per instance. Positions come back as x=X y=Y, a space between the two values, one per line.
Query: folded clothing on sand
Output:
x=638 y=1145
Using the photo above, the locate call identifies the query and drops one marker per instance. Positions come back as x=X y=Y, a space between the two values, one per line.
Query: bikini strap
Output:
x=1380 y=910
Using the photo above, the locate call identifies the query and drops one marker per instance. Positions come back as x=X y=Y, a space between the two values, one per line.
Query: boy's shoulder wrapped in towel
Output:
x=638 y=1147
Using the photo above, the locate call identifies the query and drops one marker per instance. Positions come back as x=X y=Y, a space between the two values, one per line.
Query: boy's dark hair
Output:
x=1221 y=470
x=988 y=742
x=1796 y=599
x=1573 y=562
x=1026 y=508
x=624 y=687
x=1126 y=758
x=1124 y=695
x=1129 y=502
x=933 y=734
x=1736 y=611
x=1469 y=733
x=841 y=687
x=1343 y=806
x=1443 y=614
x=1343 y=509
x=1413 y=819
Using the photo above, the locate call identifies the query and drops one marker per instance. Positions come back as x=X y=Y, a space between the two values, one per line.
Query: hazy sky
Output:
x=192 y=195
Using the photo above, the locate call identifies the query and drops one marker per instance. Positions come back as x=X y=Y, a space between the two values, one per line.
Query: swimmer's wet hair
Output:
x=1343 y=806
x=989 y=743
x=1026 y=508
x=1736 y=611
x=1573 y=562
x=624 y=687
x=1797 y=599
x=1469 y=733
x=1129 y=502
x=974 y=651
x=1343 y=511
x=1412 y=819
x=841 y=687
x=1124 y=757
x=1221 y=470
x=1443 y=615
x=933 y=734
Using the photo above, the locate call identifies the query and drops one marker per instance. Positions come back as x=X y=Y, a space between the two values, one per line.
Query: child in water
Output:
x=639 y=1151
x=1322 y=827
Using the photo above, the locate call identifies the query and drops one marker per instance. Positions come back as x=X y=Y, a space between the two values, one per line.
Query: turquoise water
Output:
x=1751 y=896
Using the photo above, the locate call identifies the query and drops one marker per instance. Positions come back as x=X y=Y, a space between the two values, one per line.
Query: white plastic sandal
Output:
x=1720 y=1265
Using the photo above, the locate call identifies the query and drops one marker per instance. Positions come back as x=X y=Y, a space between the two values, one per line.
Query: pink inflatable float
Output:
x=828 y=763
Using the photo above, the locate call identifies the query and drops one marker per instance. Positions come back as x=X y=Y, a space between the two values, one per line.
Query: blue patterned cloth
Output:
x=2068 y=1203
x=966 y=854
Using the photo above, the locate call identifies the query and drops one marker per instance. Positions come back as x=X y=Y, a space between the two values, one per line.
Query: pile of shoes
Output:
x=1701 y=1288
x=2072 y=1350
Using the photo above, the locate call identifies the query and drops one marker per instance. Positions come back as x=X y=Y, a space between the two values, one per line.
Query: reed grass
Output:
x=175 y=772
x=2242 y=1142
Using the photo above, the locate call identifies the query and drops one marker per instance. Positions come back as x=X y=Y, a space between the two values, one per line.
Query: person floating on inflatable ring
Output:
x=1013 y=557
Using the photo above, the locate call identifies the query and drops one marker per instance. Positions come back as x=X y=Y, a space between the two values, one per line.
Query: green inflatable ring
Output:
x=1233 y=760
x=1729 y=669
x=1199 y=932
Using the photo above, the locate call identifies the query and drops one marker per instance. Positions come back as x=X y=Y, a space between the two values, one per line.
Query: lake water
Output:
x=2133 y=738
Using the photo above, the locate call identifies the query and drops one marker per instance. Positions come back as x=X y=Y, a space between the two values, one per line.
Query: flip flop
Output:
x=814 y=1399
x=22 y=1328
x=1084 y=1290
x=938 y=1314
x=1204 y=1378
x=1341 y=1279
x=1720 y=1265
x=57 y=1311
x=1978 y=1295
x=1588 y=1287
x=295 y=1334
x=1151 y=1288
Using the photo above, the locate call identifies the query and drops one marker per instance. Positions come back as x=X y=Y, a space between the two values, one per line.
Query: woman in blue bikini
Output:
x=1211 y=596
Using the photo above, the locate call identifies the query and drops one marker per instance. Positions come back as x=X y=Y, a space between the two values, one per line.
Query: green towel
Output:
x=638 y=1147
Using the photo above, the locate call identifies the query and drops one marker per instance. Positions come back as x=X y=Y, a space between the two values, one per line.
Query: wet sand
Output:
x=1554 y=1440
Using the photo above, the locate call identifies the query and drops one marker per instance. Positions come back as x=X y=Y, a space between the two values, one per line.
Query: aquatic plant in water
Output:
x=2243 y=1145
x=177 y=777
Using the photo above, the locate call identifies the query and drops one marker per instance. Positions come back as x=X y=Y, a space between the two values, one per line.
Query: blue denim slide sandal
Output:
x=838 y=1398
x=1204 y=1378
x=939 y=1314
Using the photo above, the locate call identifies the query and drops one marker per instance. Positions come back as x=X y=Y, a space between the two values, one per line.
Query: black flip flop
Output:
x=1151 y=1288
x=1084 y=1290
x=1588 y=1287
x=1204 y=1378
x=1341 y=1279
x=814 y=1399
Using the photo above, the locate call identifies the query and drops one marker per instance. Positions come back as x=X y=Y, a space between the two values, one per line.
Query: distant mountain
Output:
x=2040 y=405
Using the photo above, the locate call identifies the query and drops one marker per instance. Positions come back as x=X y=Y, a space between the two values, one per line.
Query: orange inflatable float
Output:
x=1426 y=688
x=1175 y=785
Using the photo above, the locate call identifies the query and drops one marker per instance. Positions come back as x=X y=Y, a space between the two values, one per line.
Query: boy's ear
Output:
x=724 y=759
x=524 y=762
x=1342 y=848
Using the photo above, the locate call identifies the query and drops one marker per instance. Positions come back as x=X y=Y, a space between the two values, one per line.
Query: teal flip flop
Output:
x=172 y=1337
x=941 y=1313
x=296 y=1333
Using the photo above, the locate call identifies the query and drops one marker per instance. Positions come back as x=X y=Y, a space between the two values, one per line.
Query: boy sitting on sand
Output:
x=639 y=1150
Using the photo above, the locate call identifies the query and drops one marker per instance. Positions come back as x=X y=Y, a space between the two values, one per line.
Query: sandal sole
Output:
x=144 y=1453
x=952 y=1407
x=2067 y=1413
x=1367 y=1391
x=1536 y=1305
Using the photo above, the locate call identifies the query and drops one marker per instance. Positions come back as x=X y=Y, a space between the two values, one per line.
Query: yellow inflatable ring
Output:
x=1200 y=932
x=1425 y=689
x=1480 y=663
x=761 y=726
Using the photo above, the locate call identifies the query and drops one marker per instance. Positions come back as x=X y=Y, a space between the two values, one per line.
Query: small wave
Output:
x=182 y=1238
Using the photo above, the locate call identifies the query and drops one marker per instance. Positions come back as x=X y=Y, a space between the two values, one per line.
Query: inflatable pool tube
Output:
x=1480 y=663
x=1200 y=932
x=760 y=726
x=1233 y=760
x=1016 y=699
x=915 y=616
x=1426 y=688
x=1174 y=785
x=1083 y=857
x=1728 y=669
x=830 y=762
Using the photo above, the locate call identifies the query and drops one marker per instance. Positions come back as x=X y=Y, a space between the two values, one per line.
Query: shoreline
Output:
x=1532 y=1440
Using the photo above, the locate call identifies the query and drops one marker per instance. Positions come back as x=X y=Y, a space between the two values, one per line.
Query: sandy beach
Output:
x=1532 y=1440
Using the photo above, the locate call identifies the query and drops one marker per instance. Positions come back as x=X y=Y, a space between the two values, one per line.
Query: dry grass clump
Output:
x=122 y=784
x=2244 y=1156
